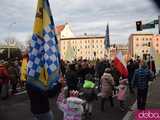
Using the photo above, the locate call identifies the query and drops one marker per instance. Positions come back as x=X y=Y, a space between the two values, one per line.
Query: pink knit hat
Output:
x=74 y=93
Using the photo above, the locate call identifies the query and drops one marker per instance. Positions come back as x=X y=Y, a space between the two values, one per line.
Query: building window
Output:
x=88 y=46
x=150 y=38
x=137 y=45
x=157 y=44
x=85 y=46
x=97 y=41
x=101 y=52
x=101 y=41
x=142 y=51
x=92 y=46
x=157 y=39
x=64 y=48
x=157 y=51
x=137 y=39
x=146 y=51
x=85 y=41
x=97 y=46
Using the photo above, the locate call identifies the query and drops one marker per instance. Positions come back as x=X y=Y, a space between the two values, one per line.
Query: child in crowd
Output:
x=121 y=95
x=71 y=106
x=107 y=83
x=89 y=93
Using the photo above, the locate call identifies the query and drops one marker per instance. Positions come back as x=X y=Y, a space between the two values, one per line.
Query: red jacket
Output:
x=4 y=76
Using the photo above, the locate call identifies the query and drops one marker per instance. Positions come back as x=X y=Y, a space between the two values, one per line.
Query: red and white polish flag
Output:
x=120 y=65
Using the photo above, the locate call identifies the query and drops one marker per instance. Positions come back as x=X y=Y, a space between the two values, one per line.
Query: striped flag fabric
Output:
x=107 y=39
x=119 y=64
x=44 y=58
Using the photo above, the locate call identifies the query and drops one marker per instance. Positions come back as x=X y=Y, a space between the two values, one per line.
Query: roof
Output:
x=59 y=28
x=84 y=37
x=140 y=34
x=157 y=35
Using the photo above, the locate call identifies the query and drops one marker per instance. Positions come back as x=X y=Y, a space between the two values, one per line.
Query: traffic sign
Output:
x=149 y=25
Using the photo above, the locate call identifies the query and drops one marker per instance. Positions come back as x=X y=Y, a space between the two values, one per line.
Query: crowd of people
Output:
x=102 y=79
x=9 y=77
x=12 y=76
x=84 y=82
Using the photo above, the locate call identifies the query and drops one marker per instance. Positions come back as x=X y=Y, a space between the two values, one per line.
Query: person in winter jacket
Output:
x=71 y=106
x=121 y=96
x=39 y=101
x=23 y=70
x=107 y=84
x=131 y=69
x=140 y=81
x=151 y=65
x=71 y=77
x=116 y=75
x=89 y=92
x=4 y=78
x=14 y=76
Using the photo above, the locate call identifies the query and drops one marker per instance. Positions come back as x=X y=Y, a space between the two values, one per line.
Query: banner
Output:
x=44 y=58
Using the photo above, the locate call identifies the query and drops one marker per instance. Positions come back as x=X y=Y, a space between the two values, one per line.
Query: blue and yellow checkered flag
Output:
x=44 y=63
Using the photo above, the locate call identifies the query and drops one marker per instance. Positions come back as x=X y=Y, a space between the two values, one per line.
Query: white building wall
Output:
x=67 y=32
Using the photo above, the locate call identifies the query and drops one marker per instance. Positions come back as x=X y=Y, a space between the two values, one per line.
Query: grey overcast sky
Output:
x=84 y=16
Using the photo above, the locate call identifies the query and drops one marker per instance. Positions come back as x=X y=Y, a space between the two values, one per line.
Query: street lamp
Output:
x=8 y=41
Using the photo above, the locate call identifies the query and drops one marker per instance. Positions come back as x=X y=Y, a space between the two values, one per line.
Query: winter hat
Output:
x=88 y=84
x=107 y=70
x=74 y=93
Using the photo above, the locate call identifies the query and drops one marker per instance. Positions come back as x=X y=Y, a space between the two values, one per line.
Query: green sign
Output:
x=149 y=25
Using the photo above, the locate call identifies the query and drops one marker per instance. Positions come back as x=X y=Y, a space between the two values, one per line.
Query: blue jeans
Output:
x=44 y=116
